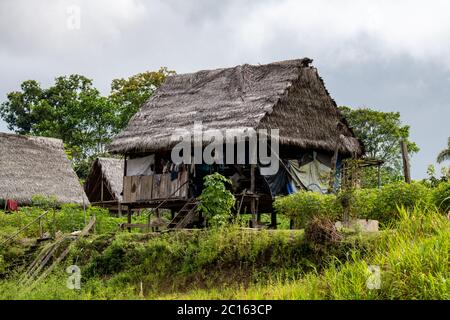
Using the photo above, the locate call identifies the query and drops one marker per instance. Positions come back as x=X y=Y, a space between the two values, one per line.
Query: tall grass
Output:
x=413 y=258
x=231 y=263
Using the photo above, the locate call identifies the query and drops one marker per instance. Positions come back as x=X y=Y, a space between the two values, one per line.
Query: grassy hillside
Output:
x=232 y=263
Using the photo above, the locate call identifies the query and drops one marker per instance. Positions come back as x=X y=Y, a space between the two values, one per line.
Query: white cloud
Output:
x=393 y=55
x=416 y=28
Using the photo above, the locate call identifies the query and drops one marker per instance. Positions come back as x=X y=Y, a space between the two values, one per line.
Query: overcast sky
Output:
x=388 y=55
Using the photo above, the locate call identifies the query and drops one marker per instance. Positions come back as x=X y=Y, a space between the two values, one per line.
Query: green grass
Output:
x=232 y=263
x=414 y=262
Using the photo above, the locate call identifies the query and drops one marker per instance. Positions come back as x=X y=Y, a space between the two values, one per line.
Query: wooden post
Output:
x=252 y=190
x=125 y=166
x=406 y=165
x=334 y=160
x=54 y=225
x=40 y=228
x=379 y=176
x=273 y=219
x=129 y=217
x=101 y=189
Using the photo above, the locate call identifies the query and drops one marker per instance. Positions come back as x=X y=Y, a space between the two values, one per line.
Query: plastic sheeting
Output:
x=140 y=166
x=313 y=176
x=278 y=183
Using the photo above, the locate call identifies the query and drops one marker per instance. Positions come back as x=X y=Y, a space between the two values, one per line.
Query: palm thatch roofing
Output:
x=287 y=95
x=37 y=166
x=108 y=171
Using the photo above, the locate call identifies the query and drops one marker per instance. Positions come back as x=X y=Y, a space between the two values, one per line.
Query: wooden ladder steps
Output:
x=179 y=220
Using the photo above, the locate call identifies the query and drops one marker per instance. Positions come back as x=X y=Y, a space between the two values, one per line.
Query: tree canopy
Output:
x=381 y=133
x=73 y=110
x=129 y=94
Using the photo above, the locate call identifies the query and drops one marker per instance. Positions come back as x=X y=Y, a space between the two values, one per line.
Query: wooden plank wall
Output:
x=157 y=186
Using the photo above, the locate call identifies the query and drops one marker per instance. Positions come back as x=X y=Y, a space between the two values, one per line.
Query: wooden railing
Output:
x=38 y=219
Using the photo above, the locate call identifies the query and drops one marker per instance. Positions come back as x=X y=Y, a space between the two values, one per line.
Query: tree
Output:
x=73 y=110
x=18 y=109
x=381 y=133
x=444 y=154
x=130 y=94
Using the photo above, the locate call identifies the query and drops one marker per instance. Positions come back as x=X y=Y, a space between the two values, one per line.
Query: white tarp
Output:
x=314 y=175
x=140 y=166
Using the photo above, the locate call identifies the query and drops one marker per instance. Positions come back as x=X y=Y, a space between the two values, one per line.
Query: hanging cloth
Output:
x=12 y=205
x=314 y=175
x=140 y=166
x=278 y=183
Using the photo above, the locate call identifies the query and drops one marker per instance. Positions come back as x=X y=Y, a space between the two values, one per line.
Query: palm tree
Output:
x=444 y=154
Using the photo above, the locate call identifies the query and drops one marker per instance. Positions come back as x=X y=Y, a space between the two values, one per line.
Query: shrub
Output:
x=44 y=202
x=365 y=203
x=304 y=206
x=441 y=196
x=216 y=200
x=399 y=194
x=378 y=204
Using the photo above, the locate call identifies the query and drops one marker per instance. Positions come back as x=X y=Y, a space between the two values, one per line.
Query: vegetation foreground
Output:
x=234 y=263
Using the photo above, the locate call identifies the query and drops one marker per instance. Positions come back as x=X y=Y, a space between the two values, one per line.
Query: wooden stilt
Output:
x=258 y=214
x=252 y=190
x=129 y=217
x=379 y=176
x=273 y=220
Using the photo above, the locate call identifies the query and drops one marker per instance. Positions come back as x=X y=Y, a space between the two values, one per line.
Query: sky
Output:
x=386 y=55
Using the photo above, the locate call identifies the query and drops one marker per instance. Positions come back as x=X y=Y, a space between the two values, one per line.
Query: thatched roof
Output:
x=288 y=95
x=37 y=165
x=110 y=172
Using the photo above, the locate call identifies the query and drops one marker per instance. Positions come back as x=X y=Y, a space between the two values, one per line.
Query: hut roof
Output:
x=37 y=165
x=112 y=172
x=286 y=95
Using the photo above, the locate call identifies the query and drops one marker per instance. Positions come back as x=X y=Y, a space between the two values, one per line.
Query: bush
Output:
x=44 y=202
x=304 y=206
x=365 y=203
x=216 y=201
x=441 y=196
x=400 y=194
x=378 y=204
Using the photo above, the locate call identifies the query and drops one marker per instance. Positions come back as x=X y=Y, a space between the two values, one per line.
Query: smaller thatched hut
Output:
x=37 y=166
x=104 y=183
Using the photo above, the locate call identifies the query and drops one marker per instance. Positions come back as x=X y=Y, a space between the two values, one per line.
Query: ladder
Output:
x=185 y=215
